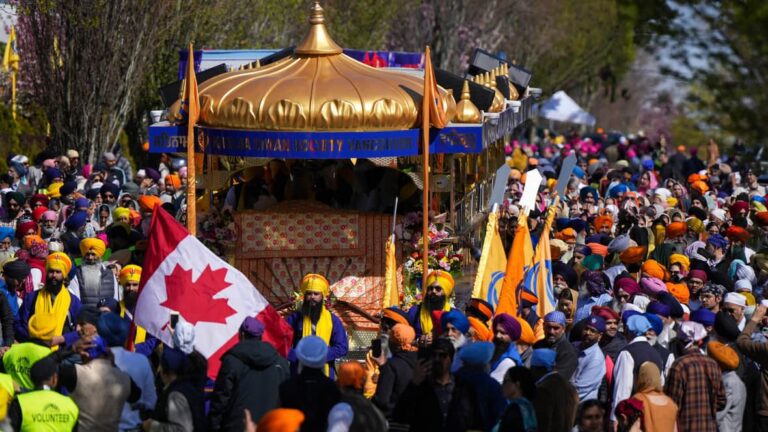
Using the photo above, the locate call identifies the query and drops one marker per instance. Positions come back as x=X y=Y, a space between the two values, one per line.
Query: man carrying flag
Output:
x=181 y=275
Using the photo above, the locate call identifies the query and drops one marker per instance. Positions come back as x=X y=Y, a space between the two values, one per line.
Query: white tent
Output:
x=561 y=108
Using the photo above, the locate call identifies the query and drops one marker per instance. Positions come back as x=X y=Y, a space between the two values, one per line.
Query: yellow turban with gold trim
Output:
x=92 y=245
x=315 y=283
x=443 y=279
x=58 y=261
x=130 y=273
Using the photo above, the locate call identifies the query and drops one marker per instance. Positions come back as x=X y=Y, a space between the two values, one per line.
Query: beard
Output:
x=53 y=285
x=130 y=298
x=459 y=341
x=312 y=309
x=48 y=231
x=499 y=347
x=434 y=303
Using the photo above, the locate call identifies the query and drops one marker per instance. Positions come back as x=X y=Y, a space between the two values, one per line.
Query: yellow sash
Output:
x=323 y=328
x=425 y=317
x=141 y=334
x=50 y=316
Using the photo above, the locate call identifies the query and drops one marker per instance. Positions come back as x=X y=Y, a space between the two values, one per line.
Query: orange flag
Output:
x=519 y=259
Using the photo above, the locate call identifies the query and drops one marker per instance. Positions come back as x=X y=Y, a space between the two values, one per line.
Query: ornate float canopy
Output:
x=318 y=88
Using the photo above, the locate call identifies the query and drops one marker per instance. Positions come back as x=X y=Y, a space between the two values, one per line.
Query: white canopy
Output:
x=560 y=107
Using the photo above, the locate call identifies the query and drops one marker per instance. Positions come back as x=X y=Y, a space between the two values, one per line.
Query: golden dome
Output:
x=466 y=111
x=317 y=89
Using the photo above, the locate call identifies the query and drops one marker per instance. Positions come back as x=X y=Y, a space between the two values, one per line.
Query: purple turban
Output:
x=510 y=325
x=596 y=282
x=629 y=285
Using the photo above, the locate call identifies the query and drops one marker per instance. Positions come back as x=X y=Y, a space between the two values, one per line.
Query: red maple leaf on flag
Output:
x=194 y=300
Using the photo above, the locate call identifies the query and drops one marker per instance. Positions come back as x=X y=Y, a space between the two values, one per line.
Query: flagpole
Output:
x=425 y=100
x=191 y=210
x=13 y=94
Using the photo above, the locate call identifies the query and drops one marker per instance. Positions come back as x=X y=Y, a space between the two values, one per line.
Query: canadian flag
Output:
x=181 y=275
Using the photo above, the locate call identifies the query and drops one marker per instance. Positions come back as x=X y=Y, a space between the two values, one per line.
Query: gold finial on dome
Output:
x=317 y=41
x=466 y=111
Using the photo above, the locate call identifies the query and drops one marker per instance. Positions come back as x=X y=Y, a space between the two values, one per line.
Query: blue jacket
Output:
x=338 y=346
x=28 y=309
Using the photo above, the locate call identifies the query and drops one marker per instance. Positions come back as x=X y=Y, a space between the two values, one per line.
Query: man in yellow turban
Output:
x=435 y=298
x=93 y=281
x=122 y=215
x=48 y=315
x=314 y=319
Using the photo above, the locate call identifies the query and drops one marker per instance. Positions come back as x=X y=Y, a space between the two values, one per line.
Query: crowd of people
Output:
x=659 y=265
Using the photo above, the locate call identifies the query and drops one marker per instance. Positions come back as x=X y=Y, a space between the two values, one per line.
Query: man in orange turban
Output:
x=603 y=224
x=280 y=420
x=737 y=234
x=147 y=203
x=676 y=229
x=633 y=255
x=654 y=269
x=93 y=281
x=173 y=192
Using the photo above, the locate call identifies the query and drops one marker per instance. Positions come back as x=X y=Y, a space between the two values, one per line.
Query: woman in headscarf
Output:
x=659 y=410
x=566 y=303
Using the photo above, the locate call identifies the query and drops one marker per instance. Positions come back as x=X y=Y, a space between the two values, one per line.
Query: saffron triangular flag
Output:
x=493 y=263
x=520 y=257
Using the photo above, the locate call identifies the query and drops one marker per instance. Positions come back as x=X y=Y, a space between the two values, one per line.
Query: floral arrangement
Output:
x=217 y=232
x=441 y=256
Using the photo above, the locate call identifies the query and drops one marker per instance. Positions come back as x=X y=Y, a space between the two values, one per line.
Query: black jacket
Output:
x=250 y=376
x=312 y=393
x=419 y=408
x=394 y=377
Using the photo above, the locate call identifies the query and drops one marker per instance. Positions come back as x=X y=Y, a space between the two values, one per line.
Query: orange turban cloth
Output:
x=652 y=268
x=527 y=336
x=351 y=375
x=58 y=261
x=724 y=355
x=567 y=235
x=130 y=273
x=700 y=187
x=31 y=239
x=482 y=332
x=680 y=260
x=737 y=233
x=281 y=420
x=94 y=245
x=394 y=316
x=679 y=291
x=633 y=255
x=603 y=221
x=693 y=178
x=174 y=180
x=676 y=229
x=598 y=249
x=147 y=203
x=762 y=218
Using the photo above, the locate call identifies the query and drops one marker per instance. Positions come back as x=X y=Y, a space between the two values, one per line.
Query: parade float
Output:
x=319 y=109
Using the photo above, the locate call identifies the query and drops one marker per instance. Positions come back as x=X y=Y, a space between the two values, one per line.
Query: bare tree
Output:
x=85 y=61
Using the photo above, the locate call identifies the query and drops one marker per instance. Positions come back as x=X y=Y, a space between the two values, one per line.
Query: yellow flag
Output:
x=11 y=55
x=391 y=295
x=493 y=263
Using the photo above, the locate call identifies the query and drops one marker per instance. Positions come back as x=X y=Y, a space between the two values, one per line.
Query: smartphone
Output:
x=376 y=347
x=174 y=319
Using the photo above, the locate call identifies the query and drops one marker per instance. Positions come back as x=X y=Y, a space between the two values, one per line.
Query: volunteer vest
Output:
x=46 y=410
x=19 y=360
x=90 y=295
